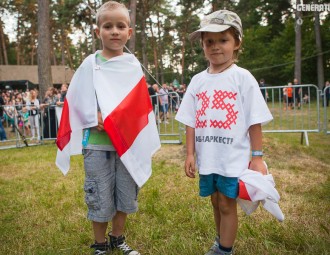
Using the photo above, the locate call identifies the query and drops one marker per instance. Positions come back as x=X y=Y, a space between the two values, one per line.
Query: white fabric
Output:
x=58 y=110
x=111 y=82
x=141 y=146
x=223 y=149
x=261 y=189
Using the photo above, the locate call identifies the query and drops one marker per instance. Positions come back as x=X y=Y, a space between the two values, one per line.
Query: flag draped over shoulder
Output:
x=119 y=88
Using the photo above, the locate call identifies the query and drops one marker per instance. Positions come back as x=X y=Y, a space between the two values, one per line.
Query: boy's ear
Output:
x=130 y=31
x=97 y=32
x=238 y=45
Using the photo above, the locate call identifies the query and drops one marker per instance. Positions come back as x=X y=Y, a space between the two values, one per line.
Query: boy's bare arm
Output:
x=190 y=147
x=99 y=126
x=257 y=163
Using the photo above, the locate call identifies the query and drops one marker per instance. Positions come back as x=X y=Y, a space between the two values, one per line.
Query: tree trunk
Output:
x=91 y=27
x=160 y=45
x=18 y=46
x=143 y=40
x=297 y=65
x=54 y=56
x=3 y=45
x=131 y=43
x=44 y=65
x=68 y=52
x=183 y=48
x=62 y=47
x=320 y=71
x=155 y=51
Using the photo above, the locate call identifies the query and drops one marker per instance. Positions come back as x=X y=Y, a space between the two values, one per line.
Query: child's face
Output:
x=219 y=48
x=114 y=32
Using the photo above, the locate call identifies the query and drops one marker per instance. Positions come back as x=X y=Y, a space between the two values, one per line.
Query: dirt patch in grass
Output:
x=171 y=154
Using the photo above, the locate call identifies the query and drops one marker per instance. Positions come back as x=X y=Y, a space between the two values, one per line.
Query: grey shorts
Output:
x=108 y=186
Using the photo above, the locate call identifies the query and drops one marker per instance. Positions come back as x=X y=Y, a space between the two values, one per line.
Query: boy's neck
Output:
x=109 y=55
x=216 y=69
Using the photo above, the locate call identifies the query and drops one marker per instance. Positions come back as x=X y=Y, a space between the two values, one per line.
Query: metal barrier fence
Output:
x=17 y=126
x=326 y=99
x=170 y=130
x=299 y=114
x=296 y=109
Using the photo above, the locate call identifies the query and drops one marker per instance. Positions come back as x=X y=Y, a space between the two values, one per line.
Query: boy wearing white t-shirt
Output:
x=223 y=110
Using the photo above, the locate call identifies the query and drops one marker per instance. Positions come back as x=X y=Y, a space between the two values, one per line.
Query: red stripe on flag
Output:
x=64 y=130
x=243 y=193
x=127 y=120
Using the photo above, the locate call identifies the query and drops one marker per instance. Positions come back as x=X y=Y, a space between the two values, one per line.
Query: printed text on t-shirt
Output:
x=214 y=139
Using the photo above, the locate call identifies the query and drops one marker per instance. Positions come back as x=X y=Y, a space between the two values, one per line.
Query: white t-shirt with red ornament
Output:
x=221 y=107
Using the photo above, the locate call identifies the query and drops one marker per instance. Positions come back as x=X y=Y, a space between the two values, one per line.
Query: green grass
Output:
x=43 y=212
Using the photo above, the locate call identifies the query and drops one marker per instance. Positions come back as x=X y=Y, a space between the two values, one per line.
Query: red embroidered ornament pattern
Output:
x=202 y=112
x=218 y=103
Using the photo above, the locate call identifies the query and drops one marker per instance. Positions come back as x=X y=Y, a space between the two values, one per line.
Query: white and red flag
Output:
x=119 y=88
x=255 y=188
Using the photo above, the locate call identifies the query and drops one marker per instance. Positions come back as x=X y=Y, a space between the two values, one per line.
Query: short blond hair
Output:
x=110 y=6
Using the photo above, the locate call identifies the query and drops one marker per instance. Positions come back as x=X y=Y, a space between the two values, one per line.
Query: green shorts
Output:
x=208 y=184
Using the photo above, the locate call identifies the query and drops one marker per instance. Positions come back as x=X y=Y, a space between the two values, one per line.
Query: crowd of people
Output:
x=24 y=111
x=165 y=99
x=293 y=96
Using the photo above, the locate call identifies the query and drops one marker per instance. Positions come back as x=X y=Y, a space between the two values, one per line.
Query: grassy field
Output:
x=43 y=212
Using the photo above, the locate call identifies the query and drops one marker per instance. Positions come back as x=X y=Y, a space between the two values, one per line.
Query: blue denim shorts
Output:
x=208 y=184
x=108 y=186
x=164 y=108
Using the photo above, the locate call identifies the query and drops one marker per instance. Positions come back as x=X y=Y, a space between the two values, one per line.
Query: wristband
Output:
x=257 y=154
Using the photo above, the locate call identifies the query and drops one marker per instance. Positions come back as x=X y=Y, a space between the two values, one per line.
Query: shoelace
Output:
x=98 y=252
x=124 y=247
x=215 y=246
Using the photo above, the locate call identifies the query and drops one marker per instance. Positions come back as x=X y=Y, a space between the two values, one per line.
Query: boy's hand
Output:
x=257 y=164
x=99 y=126
x=190 y=166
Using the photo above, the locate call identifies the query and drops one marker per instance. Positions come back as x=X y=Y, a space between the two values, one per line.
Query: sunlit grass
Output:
x=43 y=212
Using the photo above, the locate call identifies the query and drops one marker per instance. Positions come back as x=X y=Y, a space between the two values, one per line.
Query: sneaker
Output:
x=120 y=244
x=215 y=250
x=100 y=248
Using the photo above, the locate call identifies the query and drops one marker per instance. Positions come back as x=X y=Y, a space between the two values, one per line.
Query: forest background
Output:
x=161 y=36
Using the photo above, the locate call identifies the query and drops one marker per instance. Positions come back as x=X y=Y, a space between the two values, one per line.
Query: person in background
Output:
x=223 y=146
x=153 y=97
x=33 y=106
x=64 y=89
x=3 y=136
x=285 y=97
x=289 y=92
x=163 y=96
x=49 y=114
x=157 y=106
x=297 y=93
x=327 y=92
x=262 y=86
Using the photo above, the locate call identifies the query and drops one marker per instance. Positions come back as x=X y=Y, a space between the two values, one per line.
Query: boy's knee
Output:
x=227 y=205
x=215 y=201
